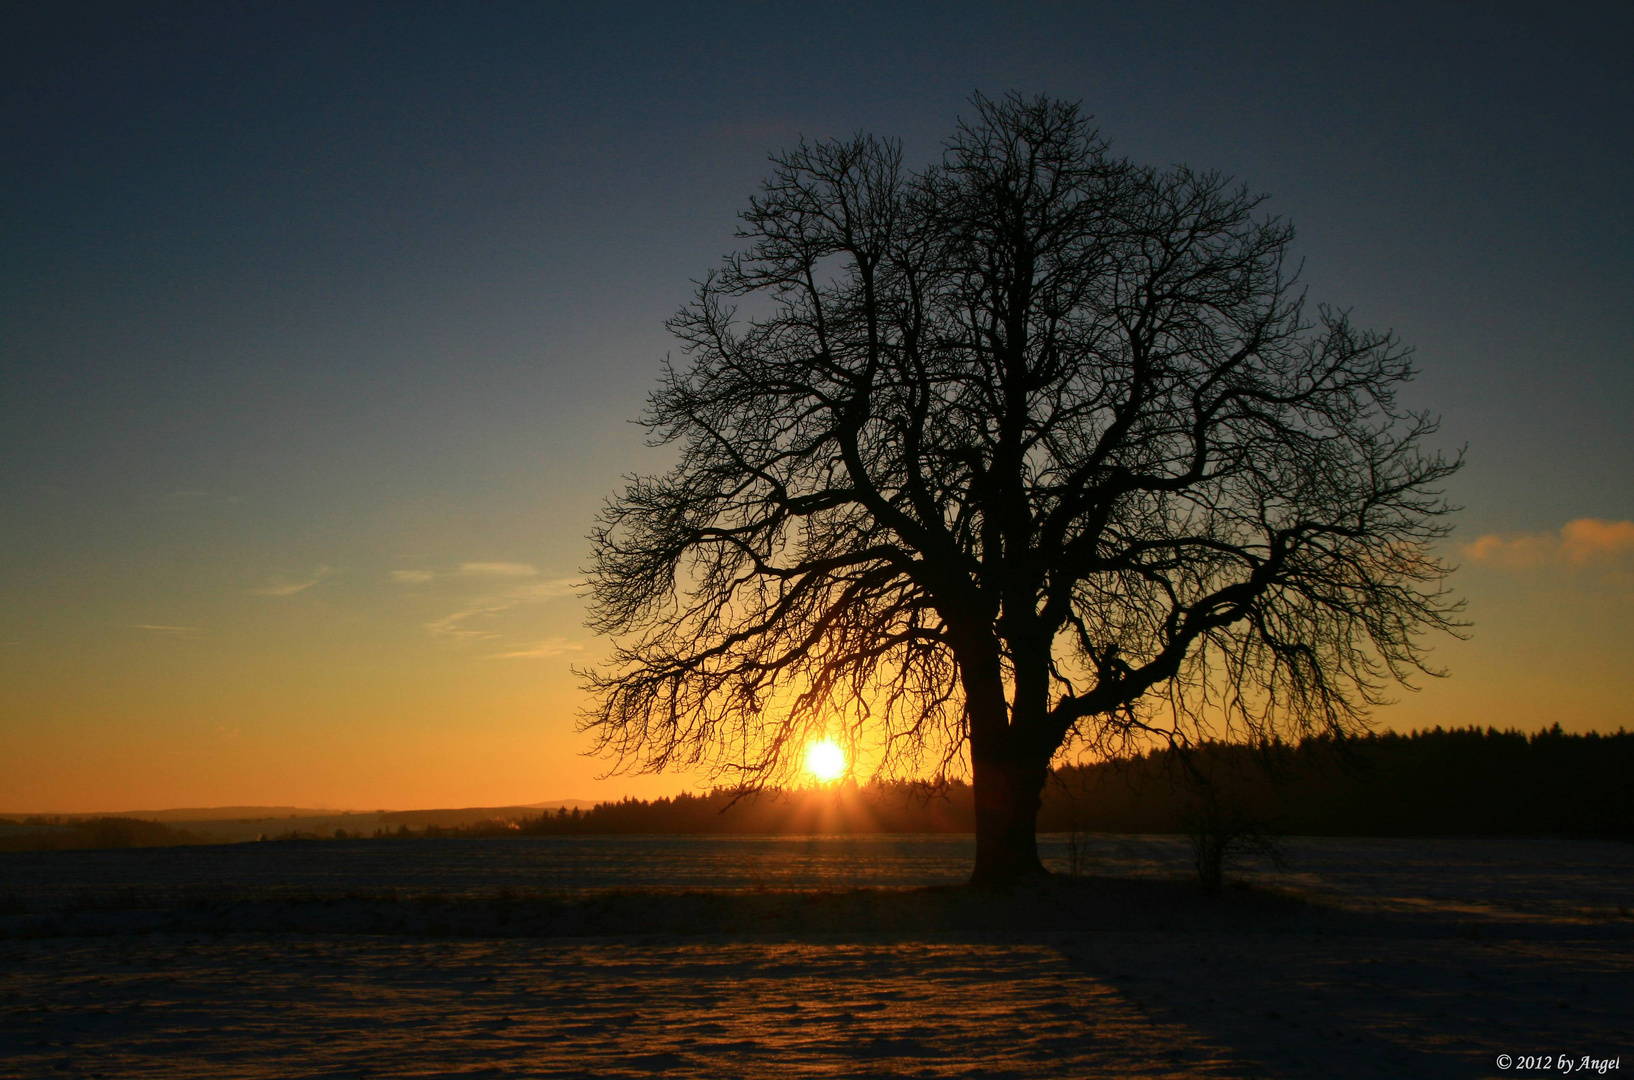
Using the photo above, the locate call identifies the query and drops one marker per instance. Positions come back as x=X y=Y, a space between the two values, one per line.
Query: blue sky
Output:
x=321 y=325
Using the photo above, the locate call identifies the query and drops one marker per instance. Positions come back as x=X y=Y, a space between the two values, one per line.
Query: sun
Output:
x=825 y=760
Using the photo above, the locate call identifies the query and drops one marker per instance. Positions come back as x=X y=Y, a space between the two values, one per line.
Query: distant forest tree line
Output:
x=1438 y=782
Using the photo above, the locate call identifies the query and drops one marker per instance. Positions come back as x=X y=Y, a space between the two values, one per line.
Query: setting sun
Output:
x=825 y=760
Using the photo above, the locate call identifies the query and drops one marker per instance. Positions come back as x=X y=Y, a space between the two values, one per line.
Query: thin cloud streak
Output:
x=497 y=569
x=551 y=589
x=284 y=590
x=453 y=626
x=295 y=587
x=479 y=570
x=540 y=649
x=457 y=625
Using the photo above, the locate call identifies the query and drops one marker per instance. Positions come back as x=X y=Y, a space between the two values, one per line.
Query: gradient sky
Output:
x=321 y=325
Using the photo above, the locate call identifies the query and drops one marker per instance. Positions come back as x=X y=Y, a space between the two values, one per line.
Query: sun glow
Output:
x=825 y=760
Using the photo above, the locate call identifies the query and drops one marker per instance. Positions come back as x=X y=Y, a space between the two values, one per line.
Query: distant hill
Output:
x=209 y=813
x=264 y=813
x=237 y=824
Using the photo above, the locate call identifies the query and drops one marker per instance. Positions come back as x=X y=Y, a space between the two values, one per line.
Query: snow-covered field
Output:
x=1417 y=958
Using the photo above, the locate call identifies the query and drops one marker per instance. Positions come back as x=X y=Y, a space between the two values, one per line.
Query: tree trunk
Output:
x=1007 y=795
x=1007 y=773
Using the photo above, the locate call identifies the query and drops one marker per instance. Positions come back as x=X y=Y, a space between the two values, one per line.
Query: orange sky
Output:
x=451 y=686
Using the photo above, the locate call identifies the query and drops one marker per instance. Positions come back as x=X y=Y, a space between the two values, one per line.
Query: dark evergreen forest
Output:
x=1438 y=782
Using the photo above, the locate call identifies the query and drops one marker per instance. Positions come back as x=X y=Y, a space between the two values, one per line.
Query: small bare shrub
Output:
x=1221 y=830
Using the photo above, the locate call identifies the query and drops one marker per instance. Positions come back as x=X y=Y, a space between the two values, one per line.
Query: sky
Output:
x=322 y=327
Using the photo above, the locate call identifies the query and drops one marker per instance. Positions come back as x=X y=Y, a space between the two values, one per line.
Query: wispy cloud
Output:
x=293 y=587
x=491 y=589
x=475 y=620
x=1578 y=543
x=285 y=590
x=548 y=647
x=170 y=631
x=497 y=570
x=551 y=588
x=459 y=624
x=488 y=571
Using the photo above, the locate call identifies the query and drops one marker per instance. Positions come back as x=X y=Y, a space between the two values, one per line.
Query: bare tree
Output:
x=1032 y=450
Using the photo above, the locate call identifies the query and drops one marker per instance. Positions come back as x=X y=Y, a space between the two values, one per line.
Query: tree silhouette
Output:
x=1032 y=450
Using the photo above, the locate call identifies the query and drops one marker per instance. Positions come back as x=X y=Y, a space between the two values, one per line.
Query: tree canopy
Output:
x=1031 y=449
